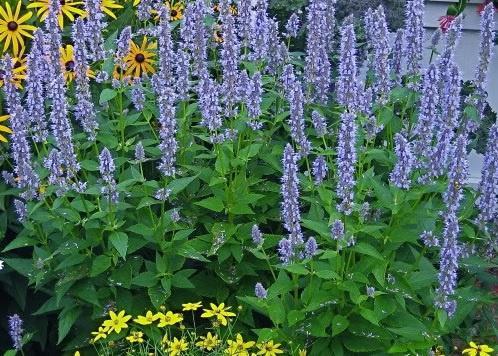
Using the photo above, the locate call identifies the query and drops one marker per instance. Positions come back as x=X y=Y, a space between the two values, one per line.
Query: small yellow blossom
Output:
x=100 y=334
x=302 y=352
x=176 y=347
x=238 y=347
x=77 y=353
x=116 y=322
x=477 y=350
x=191 y=306
x=136 y=337
x=4 y=128
x=169 y=318
x=208 y=342
x=220 y=312
x=108 y=6
x=148 y=319
x=269 y=349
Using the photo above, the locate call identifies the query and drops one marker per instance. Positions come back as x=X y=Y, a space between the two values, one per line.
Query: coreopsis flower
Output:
x=293 y=25
x=177 y=346
x=116 y=322
x=4 y=128
x=268 y=348
x=445 y=22
x=259 y=31
x=68 y=8
x=414 y=36
x=140 y=59
x=487 y=201
x=208 y=342
x=169 y=318
x=259 y=291
x=109 y=6
x=135 y=337
x=397 y=55
x=220 y=312
x=318 y=70
x=146 y=319
x=16 y=331
x=319 y=169
x=346 y=162
x=191 y=306
x=400 y=176
x=477 y=350
x=347 y=83
x=239 y=347
x=310 y=247
x=256 y=235
x=94 y=27
x=13 y=28
x=101 y=333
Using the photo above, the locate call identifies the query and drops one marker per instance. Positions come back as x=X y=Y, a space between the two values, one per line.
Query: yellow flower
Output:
x=217 y=34
x=77 y=353
x=67 y=63
x=233 y=9
x=139 y=59
x=135 y=2
x=116 y=322
x=169 y=318
x=12 y=27
x=4 y=128
x=208 y=342
x=302 y=352
x=177 y=346
x=147 y=319
x=136 y=336
x=269 y=349
x=191 y=306
x=176 y=11
x=477 y=350
x=238 y=347
x=100 y=334
x=69 y=8
x=108 y=5
x=220 y=312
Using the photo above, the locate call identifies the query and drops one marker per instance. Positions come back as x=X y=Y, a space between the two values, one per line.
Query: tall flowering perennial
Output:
x=293 y=25
x=485 y=54
x=123 y=45
x=15 y=331
x=107 y=168
x=487 y=201
x=400 y=176
x=208 y=91
x=414 y=36
x=458 y=174
x=397 y=55
x=254 y=96
x=244 y=20
x=346 y=163
x=291 y=215
x=84 y=110
x=319 y=169
x=182 y=74
x=318 y=69
x=347 y=87
x=35 y=77
x=259 y=33
x=278 y=53
x=194 y=34
x=319 y=123
x=94 y=25
x=381 y=47
x=453 y=34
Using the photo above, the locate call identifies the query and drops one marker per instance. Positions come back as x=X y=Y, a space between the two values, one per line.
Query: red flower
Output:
x=445 y=22
x=480 y=7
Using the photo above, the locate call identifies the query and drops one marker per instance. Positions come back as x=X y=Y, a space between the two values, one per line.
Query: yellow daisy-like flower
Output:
x=116 y=322
x=191 y=306
x=233 y=9
x=208 y=342
x=69 y=8
x=220 y=312
x=139 y=59
x=67 y=63
x=477 y=350
x=176 y=347
x=168 y=319
x=136 y=337
x=99 y=334
x=148 y=319
x=107 y=6
x=4 y=128
x=175 y=11
x=269 y=349
x=13 y=27
x=217 y=34
x=238 y=347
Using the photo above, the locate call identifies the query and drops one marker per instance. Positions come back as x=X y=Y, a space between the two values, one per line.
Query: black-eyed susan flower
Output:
x=220 y=312
x=13 y=28
x=238 y=347
x=191 y=306
x=69 y=8
x=217 y=34
x=168 y=319
x=140 y=58
x=4 y=128
x=116 y=322
x=175 y=10
x=148 y=319
x=136 y=337
x=108 y=7
x=208 y=342
x=67 y=63
x=177 y=346
x=101 y=333
x=477 y=350
x=233 y=9
x=268 y=349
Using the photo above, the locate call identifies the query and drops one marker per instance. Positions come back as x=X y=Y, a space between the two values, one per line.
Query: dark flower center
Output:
x=12 y=26
x=2 y=74
x=140 y=58
x=17 y=64
x=174 y=13
x=69 y=66
x=62 y=2
x=119 y=70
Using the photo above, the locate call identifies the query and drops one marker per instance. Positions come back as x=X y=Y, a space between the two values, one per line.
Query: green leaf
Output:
x=120 y=242
x=106 y=95
x=212 y=203
x=368 y=249
x=67 y=318
x=145 y=279
x=339 y=324
x=297 y=269
x=180 y=184
x=99 y=265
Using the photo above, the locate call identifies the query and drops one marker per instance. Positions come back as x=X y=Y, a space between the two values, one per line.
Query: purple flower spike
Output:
x=400 y=176
x=346 y=163
x=260 y=291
